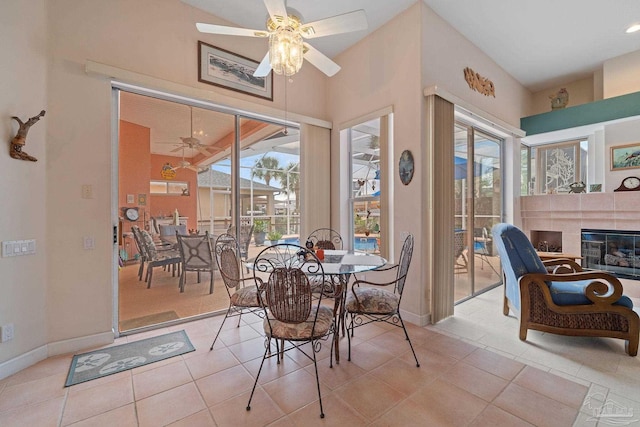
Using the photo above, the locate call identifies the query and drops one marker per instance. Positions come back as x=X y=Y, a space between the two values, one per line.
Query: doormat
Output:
x=151 y=319
x=111 y=360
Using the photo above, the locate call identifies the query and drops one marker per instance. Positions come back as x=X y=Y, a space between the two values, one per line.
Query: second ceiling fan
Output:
x=286 y=32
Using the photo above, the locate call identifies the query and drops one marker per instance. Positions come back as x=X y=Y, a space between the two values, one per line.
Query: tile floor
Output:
x=474 y=371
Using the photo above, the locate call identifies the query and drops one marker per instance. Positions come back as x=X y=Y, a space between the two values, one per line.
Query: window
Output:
x=554 y=167
x=170 y=188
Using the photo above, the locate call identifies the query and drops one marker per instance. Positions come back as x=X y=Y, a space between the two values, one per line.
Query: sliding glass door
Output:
x=478 y=206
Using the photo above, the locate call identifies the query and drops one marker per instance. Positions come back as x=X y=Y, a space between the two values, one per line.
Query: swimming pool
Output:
x=365 y=244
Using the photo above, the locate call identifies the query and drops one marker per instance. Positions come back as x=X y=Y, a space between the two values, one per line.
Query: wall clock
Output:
x=131 y=214
x=406 y=167
x=630 y=183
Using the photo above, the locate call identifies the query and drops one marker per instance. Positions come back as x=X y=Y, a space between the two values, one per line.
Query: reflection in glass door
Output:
x=478 y=206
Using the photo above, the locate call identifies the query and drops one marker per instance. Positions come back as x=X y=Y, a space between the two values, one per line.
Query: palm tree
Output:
x=290 y=179
x=266 y=168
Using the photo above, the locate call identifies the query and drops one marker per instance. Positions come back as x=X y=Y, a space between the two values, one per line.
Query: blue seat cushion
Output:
x=572 y=293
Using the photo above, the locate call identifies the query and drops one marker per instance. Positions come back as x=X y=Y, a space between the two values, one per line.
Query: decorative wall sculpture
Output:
x=18 y=141
x=479 y=83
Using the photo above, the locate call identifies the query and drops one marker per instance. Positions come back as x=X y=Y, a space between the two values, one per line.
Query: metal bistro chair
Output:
x=293 y=314
x=155 y=258
x=245 y=298
x=196 y=254
x=246 y=231
x=325 y=238
x=460 y=260
x=137 y=238
x=372 y=303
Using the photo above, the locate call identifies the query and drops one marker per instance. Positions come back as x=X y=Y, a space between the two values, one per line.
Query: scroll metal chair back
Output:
x=243 y=292
x=326 y=238
x=196 y=254
x=293 y=314
x=369 y=302
x=243 y=238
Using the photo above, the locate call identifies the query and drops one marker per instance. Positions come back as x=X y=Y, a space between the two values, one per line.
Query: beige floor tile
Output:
x=369 y=396
x=211 y=362
x=223 y=385
x=97 y=400
x=476 y=381
x=294 y=390
x=30 y=392
x=451 y=347
x=404 y=377
x=367 y=355
x=496 y=417
x=79 y=388
x=448 y=404
x=336 y=413
x=124 y=416
x=338 y=375
x=233 y=412
x=160 y=379
x=409 y=413
x=169 y=406
x=248 y=350
x=547 y=384
x=43 y=414
x=45 y=368
x=271 y=369
x=535 y=408
x=199 y=419
x=236 y=335
x=493 y=363
x=431 y=362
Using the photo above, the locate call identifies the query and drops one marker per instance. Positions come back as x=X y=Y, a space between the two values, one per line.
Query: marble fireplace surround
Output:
x=570 y=213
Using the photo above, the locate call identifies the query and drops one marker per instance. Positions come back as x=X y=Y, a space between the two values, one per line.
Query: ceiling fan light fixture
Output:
x=633 y=28
x=286 y=51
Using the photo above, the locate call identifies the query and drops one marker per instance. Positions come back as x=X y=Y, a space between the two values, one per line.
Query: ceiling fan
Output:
x=286 y=32
x=185 y=164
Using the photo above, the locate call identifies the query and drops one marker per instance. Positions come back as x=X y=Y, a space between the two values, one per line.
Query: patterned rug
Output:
x=111 y=360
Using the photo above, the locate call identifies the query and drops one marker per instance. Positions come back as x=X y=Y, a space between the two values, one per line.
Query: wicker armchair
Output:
x=557 y=296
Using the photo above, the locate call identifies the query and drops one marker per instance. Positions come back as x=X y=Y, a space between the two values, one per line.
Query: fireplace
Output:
x=617 y=252
x=547 y=241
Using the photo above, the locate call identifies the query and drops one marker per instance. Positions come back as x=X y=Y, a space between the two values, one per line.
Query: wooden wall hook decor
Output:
x=18 y=141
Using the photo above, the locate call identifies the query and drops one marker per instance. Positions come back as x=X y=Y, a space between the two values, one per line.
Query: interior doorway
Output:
x=478 y=206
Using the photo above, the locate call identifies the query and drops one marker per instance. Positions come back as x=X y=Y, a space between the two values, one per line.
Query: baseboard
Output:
x=25 y=360
x=32 y=357
x=80 y=343
x=416 y=319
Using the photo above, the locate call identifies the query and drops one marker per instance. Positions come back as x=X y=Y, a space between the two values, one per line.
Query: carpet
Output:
x=151 y=319
x=111 y=360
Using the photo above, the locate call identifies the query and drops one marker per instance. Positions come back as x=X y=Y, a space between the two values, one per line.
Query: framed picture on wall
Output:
x=625 y=156
x=229 y=70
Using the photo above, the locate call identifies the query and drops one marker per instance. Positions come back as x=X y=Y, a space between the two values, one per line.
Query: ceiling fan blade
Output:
x=320 y=60
x=175 y=150
x=352 y=21
x=277 y=11
x=230 y=31
x=203 y=151
x=264 y=68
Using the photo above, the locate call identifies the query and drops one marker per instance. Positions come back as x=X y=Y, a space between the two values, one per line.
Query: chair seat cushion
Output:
x=573 y=293
x=372 y=300
x=245 y=297
x=301 y=330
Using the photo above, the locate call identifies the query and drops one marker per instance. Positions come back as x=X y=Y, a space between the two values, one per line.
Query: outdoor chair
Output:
x=292 y=313
x=243 y=238
x=167 y=258
x=325 y=238
x=557 y=296
x=380 y=302
x=460 y=260
x=481 y=242
x=244 y=298
x=196 y=255
x=137 y=238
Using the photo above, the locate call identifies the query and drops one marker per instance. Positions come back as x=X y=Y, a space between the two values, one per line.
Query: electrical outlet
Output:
x=7 y=332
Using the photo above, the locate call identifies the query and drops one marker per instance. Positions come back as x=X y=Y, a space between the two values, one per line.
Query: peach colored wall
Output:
x=134 y=164
x=621 y=75
x=166 y=205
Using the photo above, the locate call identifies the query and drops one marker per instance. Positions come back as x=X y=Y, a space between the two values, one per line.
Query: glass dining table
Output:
x=337 y=266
